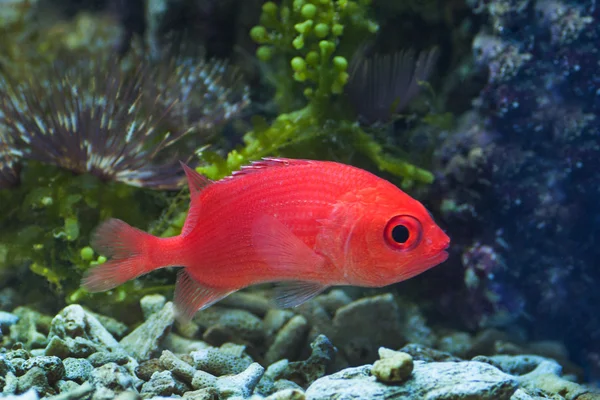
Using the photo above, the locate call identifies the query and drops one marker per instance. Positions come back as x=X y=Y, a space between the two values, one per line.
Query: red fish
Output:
x=305 y=224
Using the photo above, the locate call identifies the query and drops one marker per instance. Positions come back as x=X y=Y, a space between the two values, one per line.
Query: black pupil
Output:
x=400 y=234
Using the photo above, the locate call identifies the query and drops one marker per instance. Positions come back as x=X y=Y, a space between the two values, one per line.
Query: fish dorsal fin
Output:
x=294 y=293
x=196 y=181
x=268 y=163
x=191 y=296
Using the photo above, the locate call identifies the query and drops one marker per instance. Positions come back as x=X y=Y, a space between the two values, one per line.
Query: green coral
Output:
x=308 y=44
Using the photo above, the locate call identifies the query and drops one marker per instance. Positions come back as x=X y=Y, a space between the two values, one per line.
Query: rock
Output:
x=181 y=345
x=113 y=377
x=287 y=394
x=456 y=343
x=75 y=392
x=29 y=328
x=162 y=384
x=77 y=369
x=102 y=357
x=414 y=326
x=11 y=383
x=35 y=379
x=284 y=384
x=152 y=304
x=517 y=365
x=275 y=319
x=74 y=322
x=288 y=340
x=5 y=366
x=202 y=394
x=546 y=376
x=203 y=380
x=228 y=325
x=305 y=372
x=433 y=381
x=422 y=353
x=7 y=320
x=71 y=347
x=179 y=368
x=242 y=384
x=128 y=395
x=218 y=362
x=145 y=340
x=362 y=326
x=31 y=394
x=116 y=328
x=65 y=387
x=52 y=366
x=145 y=370
x=332 y=301
x=256 y=304
x=393 y=367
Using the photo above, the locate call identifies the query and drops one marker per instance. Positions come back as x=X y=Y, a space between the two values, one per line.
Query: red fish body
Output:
x=308 y=224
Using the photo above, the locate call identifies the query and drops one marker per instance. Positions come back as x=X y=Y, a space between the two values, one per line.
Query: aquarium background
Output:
x=484 y=110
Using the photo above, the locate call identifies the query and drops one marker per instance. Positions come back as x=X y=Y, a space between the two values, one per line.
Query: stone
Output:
x=305 y=372
x=29 y=328
x=179 y=368
x=162 y=384
x=77 y=369
x=113 y=377
x=364 y=325
x=145 y=340
x=35 y=379
x=393 y=366
x=229 y=325
x=76 y=392
x=145 y=370
x=218 y=363
x=203 y=380
x=433 y=381
x=287 y=394
x=288 y=340
x=73 y=322
x=256 y=304
x=52 y=366
x=77 y=347
x=152 y=304
x=242 y=384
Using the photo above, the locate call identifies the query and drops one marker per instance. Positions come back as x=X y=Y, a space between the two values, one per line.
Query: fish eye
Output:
x=403 y=232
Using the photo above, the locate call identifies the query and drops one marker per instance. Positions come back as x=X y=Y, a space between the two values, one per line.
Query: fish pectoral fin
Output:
x=294 y=293
x=191 y=296
x=283 y=251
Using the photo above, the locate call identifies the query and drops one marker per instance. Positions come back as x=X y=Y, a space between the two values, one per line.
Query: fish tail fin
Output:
x=132 y=253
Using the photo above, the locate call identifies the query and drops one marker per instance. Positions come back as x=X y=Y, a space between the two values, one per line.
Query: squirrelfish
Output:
x=307 y=225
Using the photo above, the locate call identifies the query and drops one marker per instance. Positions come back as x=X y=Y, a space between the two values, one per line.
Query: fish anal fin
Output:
x=283 y=251
x=196 y=181
x=191 y=296
x=294 y=293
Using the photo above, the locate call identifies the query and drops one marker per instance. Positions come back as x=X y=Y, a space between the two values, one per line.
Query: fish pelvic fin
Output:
x=132 y=253
x=293 y=293
x=192 y=296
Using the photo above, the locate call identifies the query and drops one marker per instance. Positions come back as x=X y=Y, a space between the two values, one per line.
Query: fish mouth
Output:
x=441 y=256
